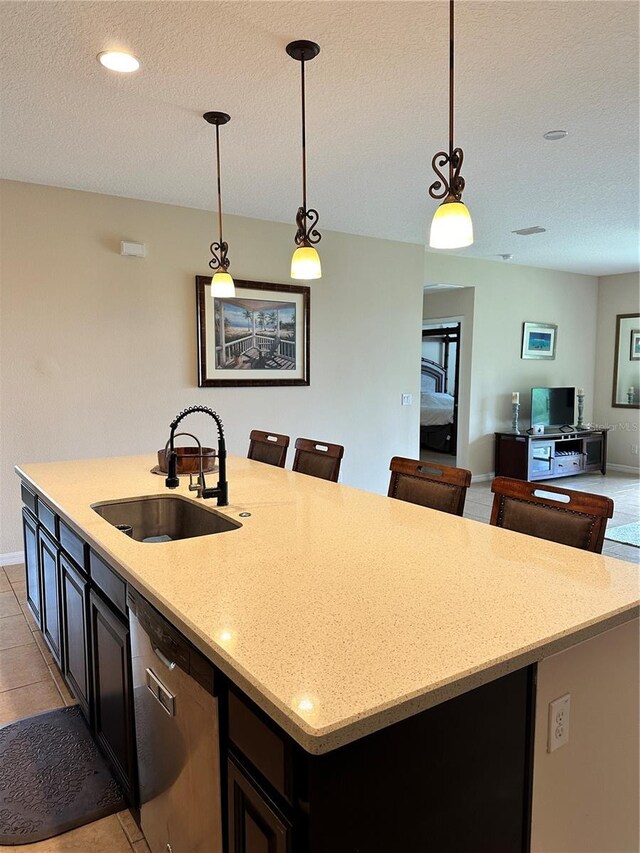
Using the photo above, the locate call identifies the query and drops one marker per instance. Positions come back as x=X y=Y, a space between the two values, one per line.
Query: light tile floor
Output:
x=29 y=684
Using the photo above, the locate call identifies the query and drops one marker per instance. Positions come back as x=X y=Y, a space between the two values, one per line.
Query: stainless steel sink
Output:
x=162 y=518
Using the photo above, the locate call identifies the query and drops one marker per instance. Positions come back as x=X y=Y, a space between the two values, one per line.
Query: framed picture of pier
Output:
x=260 y=336
x=539 y=340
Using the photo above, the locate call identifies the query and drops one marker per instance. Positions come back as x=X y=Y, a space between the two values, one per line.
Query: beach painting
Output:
x=259 y=336
x=539 y=340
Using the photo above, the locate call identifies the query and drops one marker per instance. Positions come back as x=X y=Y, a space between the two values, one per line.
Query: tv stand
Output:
x=554 y=454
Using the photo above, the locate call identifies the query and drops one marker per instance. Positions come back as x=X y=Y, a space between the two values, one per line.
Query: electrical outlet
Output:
x=407 y=399
x=634 y=449
x=558 y=732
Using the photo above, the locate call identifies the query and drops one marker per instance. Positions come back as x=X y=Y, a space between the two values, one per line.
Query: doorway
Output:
x=439 y=391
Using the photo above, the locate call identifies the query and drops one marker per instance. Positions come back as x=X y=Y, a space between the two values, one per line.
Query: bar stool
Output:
x=429 y=484
x=572 y=518
x=318 y=459
x=268 y=447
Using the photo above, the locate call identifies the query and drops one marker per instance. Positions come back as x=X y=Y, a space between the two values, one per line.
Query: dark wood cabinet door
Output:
x=75 y=595
x=32 y=564
x=594 y=457
x=50 y=601
x=112 y=691
x=254 y=826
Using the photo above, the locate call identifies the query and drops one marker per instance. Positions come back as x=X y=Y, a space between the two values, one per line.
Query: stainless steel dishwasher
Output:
x=177 y=741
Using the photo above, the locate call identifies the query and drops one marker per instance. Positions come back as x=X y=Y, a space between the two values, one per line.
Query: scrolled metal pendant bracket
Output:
x=307 y=233
x=454 y=186
x=219 y=259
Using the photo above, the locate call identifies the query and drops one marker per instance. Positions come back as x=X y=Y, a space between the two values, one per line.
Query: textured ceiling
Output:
x=377 y=112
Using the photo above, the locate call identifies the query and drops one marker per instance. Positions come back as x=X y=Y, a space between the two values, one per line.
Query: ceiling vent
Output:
x=525 y=232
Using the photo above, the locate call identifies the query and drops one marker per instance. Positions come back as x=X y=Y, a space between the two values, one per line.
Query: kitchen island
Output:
x=389 y=649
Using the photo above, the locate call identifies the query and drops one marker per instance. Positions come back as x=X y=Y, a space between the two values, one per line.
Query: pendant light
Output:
x=305 y=263
x=451 y=227
x=221 y=283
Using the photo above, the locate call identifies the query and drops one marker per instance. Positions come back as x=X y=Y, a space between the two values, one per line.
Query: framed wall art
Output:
x=258 y=337
x=539 y=340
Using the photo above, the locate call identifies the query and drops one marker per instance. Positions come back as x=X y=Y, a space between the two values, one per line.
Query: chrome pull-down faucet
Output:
x=221 y=491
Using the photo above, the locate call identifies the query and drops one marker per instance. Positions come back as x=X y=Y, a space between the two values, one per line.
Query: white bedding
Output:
x=435 y=409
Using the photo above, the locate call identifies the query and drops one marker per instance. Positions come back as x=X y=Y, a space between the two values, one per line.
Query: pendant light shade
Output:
x=451 y=227
x=222 y=283
x=305 y=263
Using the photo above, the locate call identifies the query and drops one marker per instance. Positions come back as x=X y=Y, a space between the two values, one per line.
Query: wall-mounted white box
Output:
x=133 y=250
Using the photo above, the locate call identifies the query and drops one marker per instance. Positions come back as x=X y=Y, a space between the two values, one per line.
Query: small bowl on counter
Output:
x=189 y=460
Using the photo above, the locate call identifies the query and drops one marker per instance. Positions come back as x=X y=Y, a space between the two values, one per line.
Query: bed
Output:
x=437 y=412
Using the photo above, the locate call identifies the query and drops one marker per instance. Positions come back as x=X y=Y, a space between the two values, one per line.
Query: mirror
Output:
x=626 y=368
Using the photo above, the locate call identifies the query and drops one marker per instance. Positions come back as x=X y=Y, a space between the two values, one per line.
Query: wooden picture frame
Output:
x=539 y=340
x=625 y=386
x=274 y=347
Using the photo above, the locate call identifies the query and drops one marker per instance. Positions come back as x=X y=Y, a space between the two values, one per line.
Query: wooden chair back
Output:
x=572 y=518
x=429 y=484
x=318 y=459
x=268 y=447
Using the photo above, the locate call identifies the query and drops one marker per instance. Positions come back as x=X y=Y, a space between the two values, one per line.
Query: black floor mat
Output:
x=52 y=777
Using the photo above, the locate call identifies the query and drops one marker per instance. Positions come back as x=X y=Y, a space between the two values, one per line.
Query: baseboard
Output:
x=627 y=469
x=482 y=478
x=11 y=558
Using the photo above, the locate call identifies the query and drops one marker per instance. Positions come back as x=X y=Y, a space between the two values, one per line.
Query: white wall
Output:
x=98 y=352
x=617 y=294
x=442 y=305
x=586 y=794
x=507 y=295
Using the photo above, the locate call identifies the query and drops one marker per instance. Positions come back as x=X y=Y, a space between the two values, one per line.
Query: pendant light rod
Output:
x=306 y=219
x=451 y=82
x=304 y=134
x=219 y=260
x=452 y=188
x=219 y=184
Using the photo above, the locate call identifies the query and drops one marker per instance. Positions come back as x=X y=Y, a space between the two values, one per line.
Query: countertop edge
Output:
x=320 y=741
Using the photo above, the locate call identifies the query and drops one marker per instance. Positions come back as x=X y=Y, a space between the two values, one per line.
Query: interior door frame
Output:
x=451 y=335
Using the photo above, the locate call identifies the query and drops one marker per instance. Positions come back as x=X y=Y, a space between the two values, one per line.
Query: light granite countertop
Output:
x=339 y=611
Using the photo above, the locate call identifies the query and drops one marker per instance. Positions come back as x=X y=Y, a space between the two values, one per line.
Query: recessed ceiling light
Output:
x=116 y=60
x=553 y=135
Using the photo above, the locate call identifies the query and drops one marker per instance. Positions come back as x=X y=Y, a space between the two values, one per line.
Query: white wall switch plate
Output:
x=407 y=399
x=558 y=734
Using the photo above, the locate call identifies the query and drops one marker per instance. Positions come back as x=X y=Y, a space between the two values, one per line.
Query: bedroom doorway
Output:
x=439 y=391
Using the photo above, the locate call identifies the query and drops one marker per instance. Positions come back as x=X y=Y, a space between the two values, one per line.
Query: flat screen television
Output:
x=553 y=407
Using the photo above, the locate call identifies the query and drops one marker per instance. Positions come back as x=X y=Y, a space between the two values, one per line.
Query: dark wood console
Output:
x=554 y=454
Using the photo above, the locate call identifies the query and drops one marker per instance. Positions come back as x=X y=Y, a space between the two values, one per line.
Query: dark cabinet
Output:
x=75 y=602
x=254 y=825
x=545 y=457
x=79 y=604
x=112 y=690
x=32 y=565
x=50 y=594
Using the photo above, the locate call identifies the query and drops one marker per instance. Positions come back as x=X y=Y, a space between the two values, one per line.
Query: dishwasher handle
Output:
x=164 y=697
x=170 y=664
